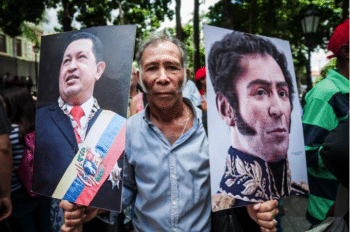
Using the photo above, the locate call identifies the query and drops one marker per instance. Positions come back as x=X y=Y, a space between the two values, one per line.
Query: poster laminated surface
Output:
x=82 y=103
x=256 y=141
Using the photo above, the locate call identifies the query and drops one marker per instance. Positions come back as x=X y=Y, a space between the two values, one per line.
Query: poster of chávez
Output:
x=256 y=143
x=83 y=91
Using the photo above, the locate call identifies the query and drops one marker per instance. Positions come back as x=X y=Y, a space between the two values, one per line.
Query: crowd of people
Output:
x=8 y=81
x=168 y=124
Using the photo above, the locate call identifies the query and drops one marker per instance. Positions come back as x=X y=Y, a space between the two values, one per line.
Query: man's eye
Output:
x=283 y=93
x=260 y=92
x=82 y=57
x=173 y=67
x=151 y=68
x=66 y=61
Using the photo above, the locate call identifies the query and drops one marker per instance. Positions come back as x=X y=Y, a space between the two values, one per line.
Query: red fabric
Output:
x=339 y=38
x=25 y=170
x=200 y=73
x=77 y=112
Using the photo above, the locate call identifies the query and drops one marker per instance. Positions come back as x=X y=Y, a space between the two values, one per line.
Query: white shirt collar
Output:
x=87 y=106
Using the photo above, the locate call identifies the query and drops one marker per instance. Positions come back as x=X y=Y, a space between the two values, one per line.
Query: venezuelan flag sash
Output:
x=95 y=160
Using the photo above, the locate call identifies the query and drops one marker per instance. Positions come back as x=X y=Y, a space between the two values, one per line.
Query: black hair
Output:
x=20 y=108
x=97 y=46
x=224 y=62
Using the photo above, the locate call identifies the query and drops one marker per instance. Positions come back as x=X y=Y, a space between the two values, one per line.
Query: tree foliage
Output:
x=188 y=41
x=281 y=19
x=147 y=15
x=13 y=14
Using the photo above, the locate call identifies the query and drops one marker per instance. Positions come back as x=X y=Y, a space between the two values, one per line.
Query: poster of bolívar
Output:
x=256 y=141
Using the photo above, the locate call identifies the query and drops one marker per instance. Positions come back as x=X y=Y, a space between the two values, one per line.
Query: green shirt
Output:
x=326 y=105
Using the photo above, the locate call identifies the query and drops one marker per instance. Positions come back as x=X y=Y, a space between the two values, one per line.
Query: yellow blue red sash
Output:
x=94 y=161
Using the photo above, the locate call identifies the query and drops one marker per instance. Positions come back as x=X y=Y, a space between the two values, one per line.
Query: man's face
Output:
x=79 y=72
x=264 y=106
x=162 y=74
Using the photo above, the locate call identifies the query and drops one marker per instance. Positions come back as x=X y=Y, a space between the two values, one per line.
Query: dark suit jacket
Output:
x=56 y=146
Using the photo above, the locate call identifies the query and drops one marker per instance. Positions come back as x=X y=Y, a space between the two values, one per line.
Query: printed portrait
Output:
x=82 y=103
x=256 y=142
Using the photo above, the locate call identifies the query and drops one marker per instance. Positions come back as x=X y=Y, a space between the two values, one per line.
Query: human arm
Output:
x=5 y=173
x=264 y=214
x=337 y=142
x=318 y=119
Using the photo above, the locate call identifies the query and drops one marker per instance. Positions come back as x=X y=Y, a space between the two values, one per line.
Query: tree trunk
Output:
x=252 y=11
x=345 y=9
x=178 y=20
x=271 y=17
x=228 y=14
x=67 y=15
x=121 y=13
x=196 y=53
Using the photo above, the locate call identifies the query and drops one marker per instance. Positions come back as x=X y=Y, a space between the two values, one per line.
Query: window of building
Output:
x=19 y=47
x=2 y=43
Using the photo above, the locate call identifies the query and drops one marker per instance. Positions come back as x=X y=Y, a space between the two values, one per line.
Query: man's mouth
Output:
x=71 y=78
x=167 y=93
x=277 y=130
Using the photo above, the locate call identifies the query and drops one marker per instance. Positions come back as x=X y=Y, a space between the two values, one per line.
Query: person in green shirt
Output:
x=326 y=105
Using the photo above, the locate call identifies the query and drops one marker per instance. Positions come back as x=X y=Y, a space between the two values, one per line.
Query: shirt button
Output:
x=173 y=176
x=174 y=202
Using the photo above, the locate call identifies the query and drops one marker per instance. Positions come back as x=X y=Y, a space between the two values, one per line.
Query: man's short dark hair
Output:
x=224 y=62
x=158 y=38
x=97 y=46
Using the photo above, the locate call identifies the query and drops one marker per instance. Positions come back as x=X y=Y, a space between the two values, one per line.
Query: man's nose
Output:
x=72 y=65
x=162 y=77
x=276 y=106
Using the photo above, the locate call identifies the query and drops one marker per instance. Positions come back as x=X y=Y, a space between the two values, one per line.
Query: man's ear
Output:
x=138 y=76
x=225 y=109
x=139 y=80
x=101 y=66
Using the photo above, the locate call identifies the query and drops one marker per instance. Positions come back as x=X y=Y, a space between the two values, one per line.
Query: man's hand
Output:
x=264 y=214
x=75 y=215
x=5 y=208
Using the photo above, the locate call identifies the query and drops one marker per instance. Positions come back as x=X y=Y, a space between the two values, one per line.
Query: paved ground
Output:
x=294 y=219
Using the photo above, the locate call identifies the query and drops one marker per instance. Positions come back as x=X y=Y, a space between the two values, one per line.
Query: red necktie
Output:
x=77 y=112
